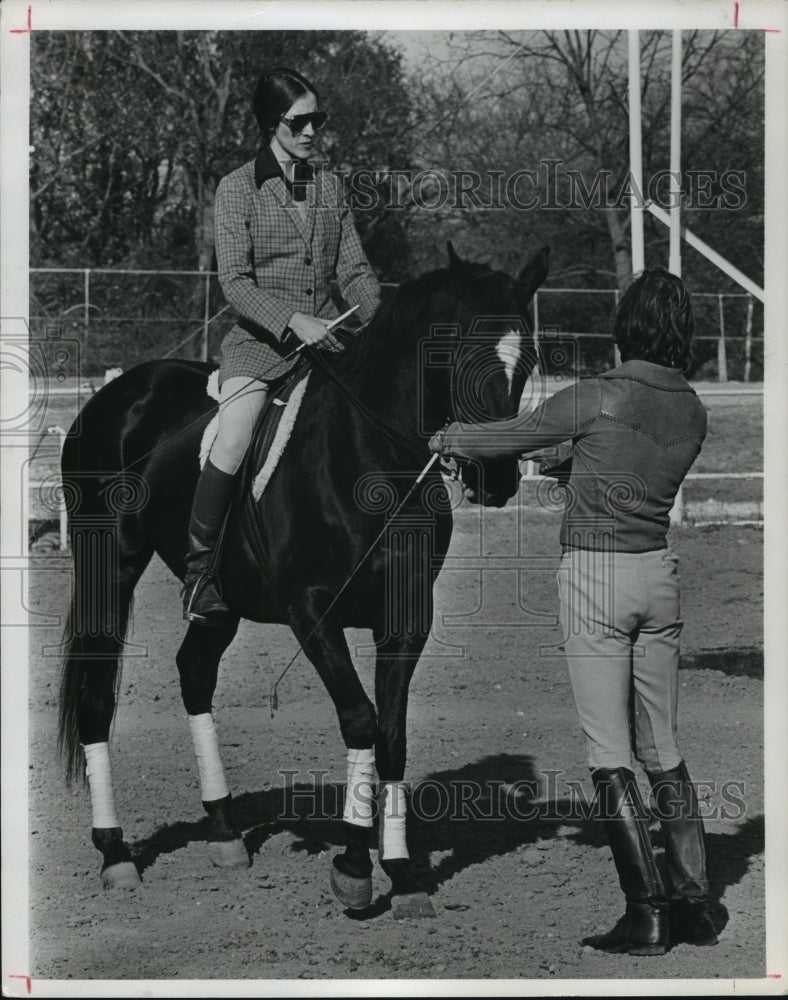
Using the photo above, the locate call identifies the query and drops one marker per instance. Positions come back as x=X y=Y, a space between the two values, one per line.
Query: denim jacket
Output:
x=635 y=432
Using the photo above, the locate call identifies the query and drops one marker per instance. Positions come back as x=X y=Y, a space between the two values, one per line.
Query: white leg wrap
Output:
x=213 y=783
x=360 y=787
x=393 y=815
x=102 y=798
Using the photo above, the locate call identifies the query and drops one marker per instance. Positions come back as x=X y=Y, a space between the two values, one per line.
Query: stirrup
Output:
x=214 y=616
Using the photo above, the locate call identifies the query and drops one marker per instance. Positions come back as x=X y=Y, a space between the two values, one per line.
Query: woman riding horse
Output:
x=277 y=251
x=350 y=531
x=635 y=432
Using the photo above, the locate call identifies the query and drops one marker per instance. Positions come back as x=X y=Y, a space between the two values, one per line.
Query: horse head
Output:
x=494 y=354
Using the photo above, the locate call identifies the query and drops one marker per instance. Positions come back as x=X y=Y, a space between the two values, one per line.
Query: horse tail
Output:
x=79 y=676
x=108 y=559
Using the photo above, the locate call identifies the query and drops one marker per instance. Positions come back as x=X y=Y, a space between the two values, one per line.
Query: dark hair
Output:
x=654 y=320
x=276 y=92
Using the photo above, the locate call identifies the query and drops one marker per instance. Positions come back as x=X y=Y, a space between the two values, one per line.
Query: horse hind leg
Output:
x=198 y=666
x=104 y=582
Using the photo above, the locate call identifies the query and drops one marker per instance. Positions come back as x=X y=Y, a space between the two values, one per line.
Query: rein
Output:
x=399 y=441
x=392 y=436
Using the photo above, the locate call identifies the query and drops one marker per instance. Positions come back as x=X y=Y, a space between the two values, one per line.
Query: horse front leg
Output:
x=198 y=666
x=323 y=640
x=397 y=658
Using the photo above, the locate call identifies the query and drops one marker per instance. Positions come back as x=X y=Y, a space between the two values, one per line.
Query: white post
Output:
x=61 y=434
x=677 y=511
x=748 y=341
x=636 y=155
x=722 y=357
x=86 y=297
x=674 y=263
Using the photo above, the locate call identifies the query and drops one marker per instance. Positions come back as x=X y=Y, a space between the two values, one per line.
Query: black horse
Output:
x=318 y=551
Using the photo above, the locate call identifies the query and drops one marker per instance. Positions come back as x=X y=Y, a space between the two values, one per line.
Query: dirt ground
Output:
x=490 y=703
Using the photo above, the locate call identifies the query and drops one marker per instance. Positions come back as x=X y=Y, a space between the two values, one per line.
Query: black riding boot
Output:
x=202 y=595
x=676 y=805
x=643 y=930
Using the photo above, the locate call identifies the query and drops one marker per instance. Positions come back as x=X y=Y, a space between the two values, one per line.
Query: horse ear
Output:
x=454 y=261
x=533 y=274
x=461 y=272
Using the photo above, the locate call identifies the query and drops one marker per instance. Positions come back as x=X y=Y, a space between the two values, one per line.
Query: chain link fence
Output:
x=121 y=318
x=728 y=342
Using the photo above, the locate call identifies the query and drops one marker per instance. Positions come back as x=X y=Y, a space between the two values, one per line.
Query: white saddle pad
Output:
x=281 y=437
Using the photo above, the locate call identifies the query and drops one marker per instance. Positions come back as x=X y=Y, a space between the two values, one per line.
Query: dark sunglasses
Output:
x=296 y=124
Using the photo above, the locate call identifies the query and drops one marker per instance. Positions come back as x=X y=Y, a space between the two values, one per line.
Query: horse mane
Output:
x=400 y=320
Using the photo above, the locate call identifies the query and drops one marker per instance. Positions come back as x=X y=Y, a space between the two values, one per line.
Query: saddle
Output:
x=271 y=434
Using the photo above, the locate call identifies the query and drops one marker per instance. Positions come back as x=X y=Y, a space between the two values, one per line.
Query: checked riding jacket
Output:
x=276 y=257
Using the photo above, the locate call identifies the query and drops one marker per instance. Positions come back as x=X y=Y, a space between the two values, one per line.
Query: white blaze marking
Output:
x=508 y=350
x=534 y=390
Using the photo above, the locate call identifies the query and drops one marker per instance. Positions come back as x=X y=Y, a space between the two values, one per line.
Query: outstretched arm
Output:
x=563 y=417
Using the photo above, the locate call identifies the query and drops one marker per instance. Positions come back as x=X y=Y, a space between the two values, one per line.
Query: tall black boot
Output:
x=676 y=805
x=202 y=595
x=643 y=930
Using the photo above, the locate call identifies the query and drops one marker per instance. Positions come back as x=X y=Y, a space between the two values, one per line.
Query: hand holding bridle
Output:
x=438 y=438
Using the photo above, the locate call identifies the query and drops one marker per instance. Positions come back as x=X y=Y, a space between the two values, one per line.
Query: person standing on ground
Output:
x=635 y=431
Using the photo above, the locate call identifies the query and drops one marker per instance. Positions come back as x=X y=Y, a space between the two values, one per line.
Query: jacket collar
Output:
x=266 y=166
x=651 y=374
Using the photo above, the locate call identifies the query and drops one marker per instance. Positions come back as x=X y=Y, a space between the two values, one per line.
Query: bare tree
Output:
x=133 y=130
x=556 y=103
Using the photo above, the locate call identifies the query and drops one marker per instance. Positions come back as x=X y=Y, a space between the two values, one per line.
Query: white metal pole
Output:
x=674 y=262
x=636 y=155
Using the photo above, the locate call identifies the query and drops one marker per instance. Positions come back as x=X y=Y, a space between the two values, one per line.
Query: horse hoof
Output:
x=354 y=893
x=123 y=875
x=229 y=853
x=413 y=905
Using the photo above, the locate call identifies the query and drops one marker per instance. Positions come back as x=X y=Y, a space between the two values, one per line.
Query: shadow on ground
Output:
x=464 y=816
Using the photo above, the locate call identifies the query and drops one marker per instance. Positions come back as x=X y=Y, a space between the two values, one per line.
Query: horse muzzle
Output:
x=488 y=484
